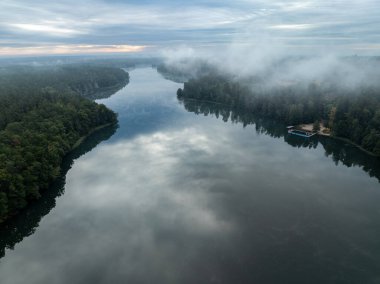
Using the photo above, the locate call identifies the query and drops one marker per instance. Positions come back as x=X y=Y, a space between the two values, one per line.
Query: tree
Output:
x=316 y=126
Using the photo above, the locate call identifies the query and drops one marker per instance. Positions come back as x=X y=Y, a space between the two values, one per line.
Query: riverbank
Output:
x=324 y=131
x=94 y=93
x=43 y=112
x=310 y=128
x=81 y=139
x=58 y=170
x=353 y=144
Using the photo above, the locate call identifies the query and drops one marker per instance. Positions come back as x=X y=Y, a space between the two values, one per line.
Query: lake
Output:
x=192 y=192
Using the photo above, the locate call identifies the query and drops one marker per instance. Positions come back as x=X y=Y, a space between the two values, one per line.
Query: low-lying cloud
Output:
x=270 y=64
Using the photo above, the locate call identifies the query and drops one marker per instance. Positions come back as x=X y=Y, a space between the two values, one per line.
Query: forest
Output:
x=27 y=221
x=44 y=111
x=350 y=114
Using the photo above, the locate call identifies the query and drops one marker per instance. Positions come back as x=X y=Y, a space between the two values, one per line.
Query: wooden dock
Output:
x=300 y=132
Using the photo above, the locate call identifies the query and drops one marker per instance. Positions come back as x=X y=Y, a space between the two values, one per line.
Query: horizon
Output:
x=97 y=27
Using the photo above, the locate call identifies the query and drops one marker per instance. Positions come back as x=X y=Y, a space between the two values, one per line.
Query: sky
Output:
x=117 y=26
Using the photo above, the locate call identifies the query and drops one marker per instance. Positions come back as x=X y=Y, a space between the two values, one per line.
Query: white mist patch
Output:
x=271 y=61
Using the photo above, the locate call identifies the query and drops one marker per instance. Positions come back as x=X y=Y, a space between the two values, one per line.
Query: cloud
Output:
x=48 y=29
x=293 y=27
x=196 y=23
x=71 y=49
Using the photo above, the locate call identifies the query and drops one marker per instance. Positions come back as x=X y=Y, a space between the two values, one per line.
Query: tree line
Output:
x=350 y=114
x=42 y=115
x=26 y=222
x=340 y=153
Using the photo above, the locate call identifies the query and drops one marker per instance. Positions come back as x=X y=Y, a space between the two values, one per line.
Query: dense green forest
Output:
x=350 y=114
x=43 y=113
x=26 y=222
x=87 y=80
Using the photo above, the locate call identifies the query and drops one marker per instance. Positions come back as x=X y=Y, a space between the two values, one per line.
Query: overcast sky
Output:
x=92 y=26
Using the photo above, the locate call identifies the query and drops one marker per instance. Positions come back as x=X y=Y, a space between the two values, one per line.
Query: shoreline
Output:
x=319 y=132
x=309 y=127
x=93 y=130
x=351 y=143
x=105 y=92
x=76 y=145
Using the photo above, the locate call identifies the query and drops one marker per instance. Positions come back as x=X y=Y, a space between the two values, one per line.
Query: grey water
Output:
x=189 y=192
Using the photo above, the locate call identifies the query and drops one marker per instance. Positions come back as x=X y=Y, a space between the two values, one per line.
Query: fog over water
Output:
x=174 y=197
x=188 y=191
x=273 y=65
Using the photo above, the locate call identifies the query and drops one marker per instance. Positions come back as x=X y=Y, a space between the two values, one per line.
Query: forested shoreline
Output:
x=27 y=221
x=343 y=153
x=44 y=111
x=350 y=114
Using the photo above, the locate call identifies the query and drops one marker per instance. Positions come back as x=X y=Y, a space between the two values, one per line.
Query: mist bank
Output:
x=120 y=61
x=342 y=93
x=266 y=67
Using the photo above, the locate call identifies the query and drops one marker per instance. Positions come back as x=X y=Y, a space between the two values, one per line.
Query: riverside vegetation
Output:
x=44 y=111
x=350 y=114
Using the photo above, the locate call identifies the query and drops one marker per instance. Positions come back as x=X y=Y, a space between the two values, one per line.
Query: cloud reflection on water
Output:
x=197 y=200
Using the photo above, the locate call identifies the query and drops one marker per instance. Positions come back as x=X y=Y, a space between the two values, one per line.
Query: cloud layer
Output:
x=345 y=26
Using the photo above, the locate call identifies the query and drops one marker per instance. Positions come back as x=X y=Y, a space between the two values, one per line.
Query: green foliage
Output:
x=334 y=148
x=316 y=126
x=39 y=125
x=354 y=115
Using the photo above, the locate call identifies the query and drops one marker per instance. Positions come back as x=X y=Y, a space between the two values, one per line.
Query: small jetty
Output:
x=300 y=132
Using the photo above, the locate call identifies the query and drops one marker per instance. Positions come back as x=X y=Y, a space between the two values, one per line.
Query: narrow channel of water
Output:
x=187 y=192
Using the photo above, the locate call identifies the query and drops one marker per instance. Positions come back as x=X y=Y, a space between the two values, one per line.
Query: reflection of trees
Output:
x=26 y=222
x=339 y=151
x=350 y=156
x=226 y=113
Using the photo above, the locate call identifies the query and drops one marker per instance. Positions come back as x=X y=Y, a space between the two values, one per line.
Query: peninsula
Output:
x=44 y=112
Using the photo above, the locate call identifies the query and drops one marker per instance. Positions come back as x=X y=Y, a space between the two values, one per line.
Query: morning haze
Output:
x=189 y=142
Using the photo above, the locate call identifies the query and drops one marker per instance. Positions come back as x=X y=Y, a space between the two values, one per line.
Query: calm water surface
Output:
x=175 y=197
